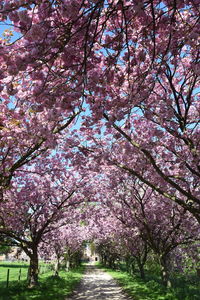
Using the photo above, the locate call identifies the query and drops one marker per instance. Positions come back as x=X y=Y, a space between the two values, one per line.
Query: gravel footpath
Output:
x=98 y=285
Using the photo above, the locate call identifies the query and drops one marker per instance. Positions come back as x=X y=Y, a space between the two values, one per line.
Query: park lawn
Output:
x=14 y=268
x=50 y=287
x=153 y=290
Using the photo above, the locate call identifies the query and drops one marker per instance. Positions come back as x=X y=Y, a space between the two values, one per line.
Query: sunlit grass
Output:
x=50 y=287
x=153 y=289
x=14 y=271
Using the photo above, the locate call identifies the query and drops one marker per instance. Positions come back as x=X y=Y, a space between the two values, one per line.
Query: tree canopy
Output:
x=100 y=122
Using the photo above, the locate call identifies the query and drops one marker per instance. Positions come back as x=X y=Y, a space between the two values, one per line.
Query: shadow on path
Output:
x=97 y=284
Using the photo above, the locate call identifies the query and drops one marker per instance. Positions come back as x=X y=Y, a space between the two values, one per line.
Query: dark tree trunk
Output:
x=130 y=265
x=132 y=268
x=33 y=269
x=111 y=263
x=141 y=261
x=141 y=269
x=105 y=259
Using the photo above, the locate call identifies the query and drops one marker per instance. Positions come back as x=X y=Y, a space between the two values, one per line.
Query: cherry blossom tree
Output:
x=26 y=135
x=35 y=207
x=134 y=65
x=161 y=225
x=128 y=73
x=65 y=243
x=105 y=231
x=137 y=250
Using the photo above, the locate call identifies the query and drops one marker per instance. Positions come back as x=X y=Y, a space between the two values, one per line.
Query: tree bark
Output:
x=165 y=272
x=33 y=268
x=141 y=269
x=130 y=265
x=67 y=265
x=57 y=266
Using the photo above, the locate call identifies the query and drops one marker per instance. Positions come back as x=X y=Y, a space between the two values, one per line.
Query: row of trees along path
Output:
x=99 y=104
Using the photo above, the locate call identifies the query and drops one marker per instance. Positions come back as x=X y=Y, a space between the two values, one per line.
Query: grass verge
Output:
x=50 y=287
x=153 y=290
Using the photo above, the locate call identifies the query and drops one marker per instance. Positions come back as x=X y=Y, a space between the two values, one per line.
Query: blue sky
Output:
x=8 y=25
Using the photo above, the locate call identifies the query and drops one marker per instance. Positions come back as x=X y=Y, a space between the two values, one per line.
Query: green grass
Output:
x=50 y=287
x=152 y=289
x=14 y=271
x=14 y=268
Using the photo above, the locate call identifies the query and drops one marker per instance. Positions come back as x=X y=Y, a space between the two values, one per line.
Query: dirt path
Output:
x=98 y=285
